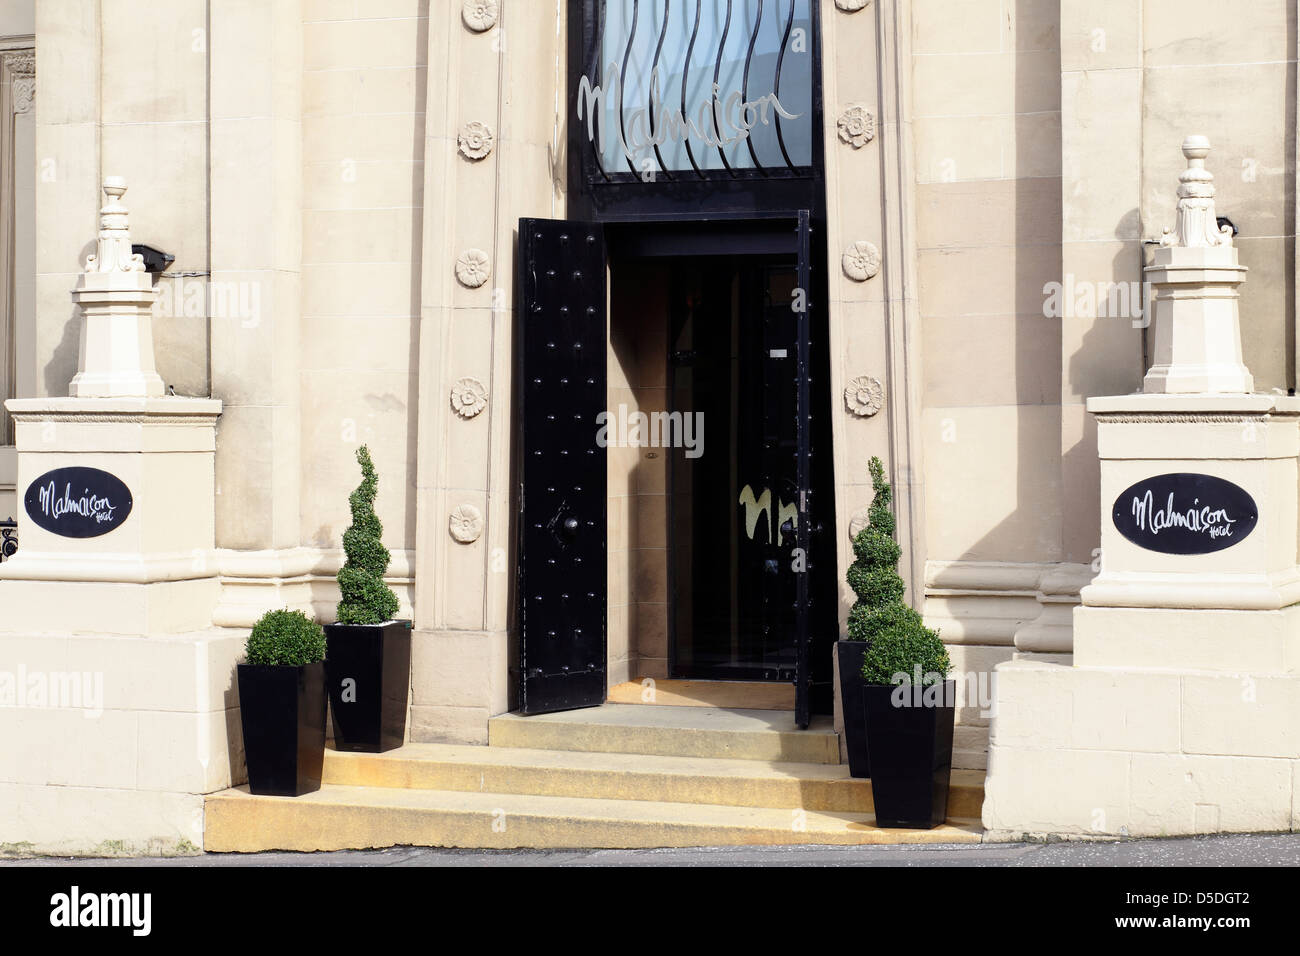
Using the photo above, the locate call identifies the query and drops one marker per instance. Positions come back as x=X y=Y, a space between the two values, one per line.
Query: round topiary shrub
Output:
x=366 y=598
x=897 y=641
x=285 y=639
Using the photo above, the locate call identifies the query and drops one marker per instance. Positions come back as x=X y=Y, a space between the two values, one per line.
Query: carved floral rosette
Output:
x=473 y=268
x=468 y=397
x=861 y=261
x=479 y=15
x=475 y=140
x=465 y=523
x=864 y=396
x=857 y=126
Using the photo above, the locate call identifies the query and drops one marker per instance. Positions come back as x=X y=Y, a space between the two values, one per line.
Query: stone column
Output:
x=255 y=304
x=1179 y=713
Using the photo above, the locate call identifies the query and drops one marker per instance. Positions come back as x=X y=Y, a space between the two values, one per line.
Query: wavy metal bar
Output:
x=686 y=74
x=663 y=32
x=622 y=80
x=776 y=88
x=717 y=72
x=593 y=73
x=744 y=86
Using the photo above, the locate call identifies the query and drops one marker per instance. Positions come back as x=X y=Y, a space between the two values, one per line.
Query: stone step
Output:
x=750 y=695
x=670 y=731
x=339 y=817
x=622 y=776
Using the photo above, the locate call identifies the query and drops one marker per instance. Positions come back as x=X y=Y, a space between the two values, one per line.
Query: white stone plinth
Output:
x=1250 y=440
x=1181 y=712
x=116 y=358
x=1197 y=341
x=156 y=573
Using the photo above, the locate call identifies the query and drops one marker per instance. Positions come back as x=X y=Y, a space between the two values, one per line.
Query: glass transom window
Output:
x=700 y=85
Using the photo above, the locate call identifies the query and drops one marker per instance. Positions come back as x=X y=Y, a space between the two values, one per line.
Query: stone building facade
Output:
x=341 y=185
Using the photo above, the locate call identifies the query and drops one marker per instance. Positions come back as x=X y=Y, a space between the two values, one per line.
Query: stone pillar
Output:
x=489 y=150
x=1180 y=711
x=153 y=569
x=111 y=677
x=255 y=305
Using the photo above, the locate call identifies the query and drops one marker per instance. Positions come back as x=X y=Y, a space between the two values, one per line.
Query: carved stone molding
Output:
x=21 y=68
x=465 y=523
x=1183 y=418
x=473 y=268
x=864 y=396
x=479 y=15
x=476 y=140
x=851 y=6
x=857 y=126
x=861 y=261
x=468 y=397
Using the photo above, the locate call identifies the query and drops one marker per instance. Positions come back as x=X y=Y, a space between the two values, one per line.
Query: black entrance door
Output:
x=560 y=388
x=752 y=588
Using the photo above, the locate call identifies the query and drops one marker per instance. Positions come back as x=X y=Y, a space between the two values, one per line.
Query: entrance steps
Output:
x=621 y=775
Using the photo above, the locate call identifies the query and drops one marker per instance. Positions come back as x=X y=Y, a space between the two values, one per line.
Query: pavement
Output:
x=1205 y=851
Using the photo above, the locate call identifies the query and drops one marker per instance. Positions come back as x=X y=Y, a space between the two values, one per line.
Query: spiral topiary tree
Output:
x=366 y=598
x=897 y=639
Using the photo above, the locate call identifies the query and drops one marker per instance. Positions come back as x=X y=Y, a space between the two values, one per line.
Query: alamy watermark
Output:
x=622 y=428
x=931 y=690
x=192 y=298
x=1082 y=299
x=69 y=690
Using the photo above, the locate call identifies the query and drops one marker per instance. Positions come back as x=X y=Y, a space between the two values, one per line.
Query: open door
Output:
x=560 y=387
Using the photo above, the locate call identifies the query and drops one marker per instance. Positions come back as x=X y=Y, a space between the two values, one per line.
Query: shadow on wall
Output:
x=1052 y=444
x=58 y=371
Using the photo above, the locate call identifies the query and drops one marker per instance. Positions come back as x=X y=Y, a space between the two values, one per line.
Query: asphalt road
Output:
x=1210 y=851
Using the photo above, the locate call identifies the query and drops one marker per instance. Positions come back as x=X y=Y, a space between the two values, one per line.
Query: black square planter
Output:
x=851 y=654
x=911 y=753
x=282 y=710
x=368 y=674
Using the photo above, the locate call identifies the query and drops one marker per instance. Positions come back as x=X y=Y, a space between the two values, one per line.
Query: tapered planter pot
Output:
x=283 y=714
x=368 y=674
x=851 y=654
x=909 y=735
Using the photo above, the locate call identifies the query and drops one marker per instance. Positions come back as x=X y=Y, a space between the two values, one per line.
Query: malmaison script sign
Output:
x=78 y=502
x=1185 y=513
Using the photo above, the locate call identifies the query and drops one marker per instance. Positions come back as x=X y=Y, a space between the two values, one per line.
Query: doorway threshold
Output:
x=728 y=694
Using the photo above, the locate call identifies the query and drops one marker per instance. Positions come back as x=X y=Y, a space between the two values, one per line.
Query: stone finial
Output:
x=1197 y=225
x=113 y=250
x=116 y=296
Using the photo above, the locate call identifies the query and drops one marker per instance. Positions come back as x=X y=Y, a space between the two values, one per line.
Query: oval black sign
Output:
x=1185 y=513
x=78 y=502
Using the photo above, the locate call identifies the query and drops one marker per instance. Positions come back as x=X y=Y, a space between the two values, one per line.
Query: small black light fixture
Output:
x=1225 y=221
x=155 y=260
